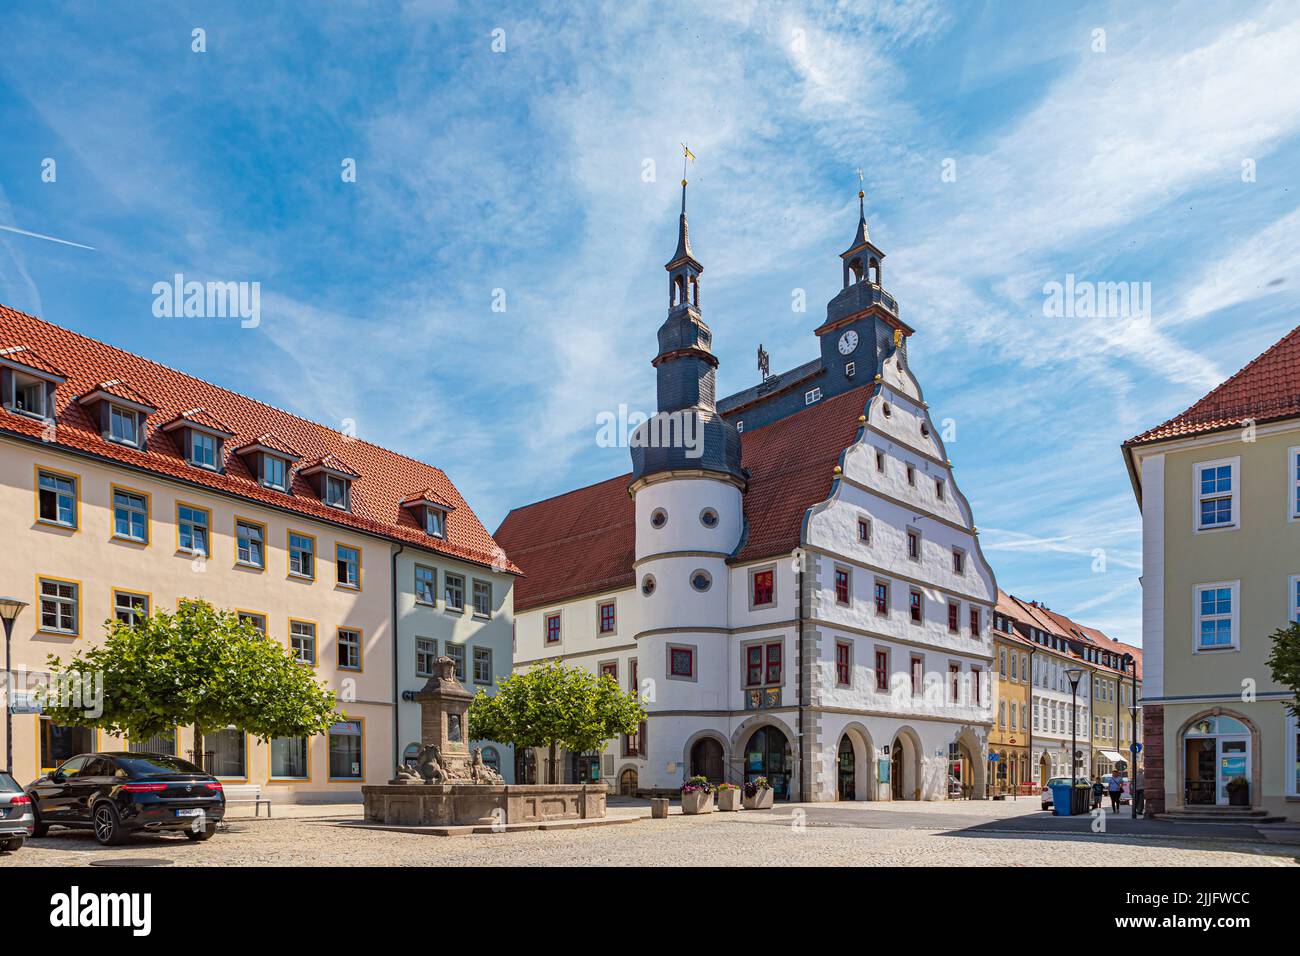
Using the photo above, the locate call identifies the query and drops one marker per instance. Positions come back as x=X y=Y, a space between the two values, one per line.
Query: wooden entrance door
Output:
x=848 y=770
x=706 y=759
x=896 y=770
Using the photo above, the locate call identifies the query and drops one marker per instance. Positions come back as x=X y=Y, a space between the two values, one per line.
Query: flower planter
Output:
x=760 y=801
x=697 y=803
x=729 y=800
x=1239 y=796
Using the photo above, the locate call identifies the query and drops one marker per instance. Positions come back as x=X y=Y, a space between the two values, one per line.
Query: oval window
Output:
x=648 y=585
x=709 y=518
x=886 y=409
x=658 y=518
x=700 y=580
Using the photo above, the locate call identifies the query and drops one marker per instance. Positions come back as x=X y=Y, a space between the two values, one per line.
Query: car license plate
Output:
x=195 y=812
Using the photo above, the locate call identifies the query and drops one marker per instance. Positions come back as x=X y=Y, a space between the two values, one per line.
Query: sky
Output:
x=490 y=281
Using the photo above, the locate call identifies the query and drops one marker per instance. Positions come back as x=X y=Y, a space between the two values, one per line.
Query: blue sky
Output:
x=526 y=170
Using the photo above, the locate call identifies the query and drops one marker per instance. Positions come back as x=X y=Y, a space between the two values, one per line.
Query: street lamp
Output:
x=1074 y=675
x=9 y=611
x=1130 y=661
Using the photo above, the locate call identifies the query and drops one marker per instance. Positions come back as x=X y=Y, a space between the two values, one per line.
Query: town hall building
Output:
x=803 y=598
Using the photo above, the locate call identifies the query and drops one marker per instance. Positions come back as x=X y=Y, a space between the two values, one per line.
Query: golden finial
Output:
x=862 y=419
x=837 y=470
x=898 y=337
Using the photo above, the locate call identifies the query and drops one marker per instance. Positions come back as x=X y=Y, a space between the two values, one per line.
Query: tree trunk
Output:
x=550 y=765
x=198 y=748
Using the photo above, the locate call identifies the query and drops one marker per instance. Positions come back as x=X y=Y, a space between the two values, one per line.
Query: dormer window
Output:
x=27 y=383
x=270 y=460
x=119 y=410
x=430 y=511
x=332 y=480
x=123 y=425
x=204 y=450
x=275 y=472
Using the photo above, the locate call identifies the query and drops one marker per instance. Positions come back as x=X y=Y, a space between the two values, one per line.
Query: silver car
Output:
x=16 y=819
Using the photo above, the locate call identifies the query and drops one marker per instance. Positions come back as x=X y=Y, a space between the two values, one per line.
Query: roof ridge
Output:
x=264 y=404
x=563 y=494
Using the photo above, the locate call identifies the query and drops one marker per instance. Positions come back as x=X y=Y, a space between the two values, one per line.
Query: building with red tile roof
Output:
x=791 y=578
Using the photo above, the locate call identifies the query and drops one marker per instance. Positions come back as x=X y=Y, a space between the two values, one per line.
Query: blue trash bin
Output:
x=1061 y=793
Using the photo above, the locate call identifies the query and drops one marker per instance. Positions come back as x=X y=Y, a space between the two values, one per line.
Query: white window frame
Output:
x=474 y=596
x=122 y=413
x=338 y=493
x=479 y=658
x=1293 y=482
x=1197 y=497
x=1293 y=598
x=432 y=654
x=275 y=472
x=812 y=396
x=432 y=582
x=1234 y=617
x=298 y=642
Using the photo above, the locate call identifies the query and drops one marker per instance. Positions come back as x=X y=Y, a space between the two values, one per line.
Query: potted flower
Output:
x=758 y=794
x=697 y=796
x=1238 y=792
x=728 y=797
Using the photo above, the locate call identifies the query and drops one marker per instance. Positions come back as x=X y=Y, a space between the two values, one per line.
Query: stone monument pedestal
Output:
x=470 y=804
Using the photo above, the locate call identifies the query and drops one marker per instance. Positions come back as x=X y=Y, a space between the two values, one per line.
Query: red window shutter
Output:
x=774 y=663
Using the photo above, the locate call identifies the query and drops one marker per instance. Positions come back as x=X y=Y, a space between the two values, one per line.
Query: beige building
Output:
x=1219 y=488
x=126 y=487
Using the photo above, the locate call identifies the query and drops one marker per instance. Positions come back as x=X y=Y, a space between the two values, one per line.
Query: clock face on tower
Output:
x=848 y=342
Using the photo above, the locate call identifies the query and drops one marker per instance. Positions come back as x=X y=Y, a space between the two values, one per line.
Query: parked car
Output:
x=16 y=820
x=117 y=794
x=1047 y=789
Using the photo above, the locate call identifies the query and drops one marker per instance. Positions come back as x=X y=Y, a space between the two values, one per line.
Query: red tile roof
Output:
x=584 y=542
x=1053 y=622
x=385 y=476
x=1267 y=389
x=120 y=389
x=22 y=355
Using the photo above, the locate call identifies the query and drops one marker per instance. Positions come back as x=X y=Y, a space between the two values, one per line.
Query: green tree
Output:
x=1284 y=661
x=200 y=667
x=555 y=706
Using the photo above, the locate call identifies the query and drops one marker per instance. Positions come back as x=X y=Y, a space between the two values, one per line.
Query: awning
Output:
x=1113 y=756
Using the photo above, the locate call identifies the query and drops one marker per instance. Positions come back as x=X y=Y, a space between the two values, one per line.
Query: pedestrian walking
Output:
x=1116 y=787
x=1139 y=792
x=1098 y=789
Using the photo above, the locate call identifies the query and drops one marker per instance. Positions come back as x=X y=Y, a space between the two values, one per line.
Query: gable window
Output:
x=913 y=545
x=762 y=591
x=56 y=498
x=958 y=561
x=426 y=586
x=483 y=666
x=914 y=605
x=681 y=662
x=954 y=616
x=975 y=675
x=426 y=652
x=275 y=472
x=607 y=618
x=976 y=626
x=864 y=530
x=882 y=670
x=192 y=529
x=918 y=675
x=938 y=488
x=349 y=649
x=302 y=641
x=880 y=460
x=882 y=597
x=130 y=516
x=28 y=395
x=553 y=628
x=954 y=682
x=841 y=586
x=1216 y=616
x=123 y=425
x=482 y=599
x=843 y=664
x=302 y=555
x=250 y=544
x=1216 y=501
x=453 y=586
x=812 y=395
x=337 y=492
x=203 y=449
x=347 y=561
x=129 y=607
x=911 y=476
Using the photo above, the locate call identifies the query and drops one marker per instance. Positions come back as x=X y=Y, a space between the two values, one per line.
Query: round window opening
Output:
x=700 y=580
x=648 y=585
x=709 y=518
x=658 y=518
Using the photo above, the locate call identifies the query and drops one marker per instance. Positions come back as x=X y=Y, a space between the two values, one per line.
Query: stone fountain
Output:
x=451 y=786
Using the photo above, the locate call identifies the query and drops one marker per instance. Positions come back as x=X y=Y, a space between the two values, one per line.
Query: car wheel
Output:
x=108 y=826
x=207 y=833
x=40 y=829
x=12 y=844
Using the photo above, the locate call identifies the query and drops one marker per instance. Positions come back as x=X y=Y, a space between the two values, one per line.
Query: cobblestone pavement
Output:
x=770 y=838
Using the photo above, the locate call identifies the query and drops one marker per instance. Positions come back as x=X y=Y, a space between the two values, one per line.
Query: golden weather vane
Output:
x=687 y=157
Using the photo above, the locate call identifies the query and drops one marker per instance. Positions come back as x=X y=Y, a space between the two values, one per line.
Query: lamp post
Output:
x=9 y=611
x=1130 y=661
x=1074 y=675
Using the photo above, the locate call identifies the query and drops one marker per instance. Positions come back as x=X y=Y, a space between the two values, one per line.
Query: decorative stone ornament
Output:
x=444 y=717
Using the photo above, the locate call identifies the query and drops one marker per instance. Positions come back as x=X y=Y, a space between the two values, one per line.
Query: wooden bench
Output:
x=247 y=793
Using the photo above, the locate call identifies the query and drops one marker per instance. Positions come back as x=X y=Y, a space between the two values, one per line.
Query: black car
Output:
x=117 y=794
